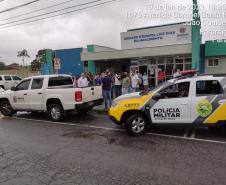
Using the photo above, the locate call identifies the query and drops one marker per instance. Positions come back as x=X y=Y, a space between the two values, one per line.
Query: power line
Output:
x=88 y=7
x=38 y=10
x=19 y=6
x=55 y=11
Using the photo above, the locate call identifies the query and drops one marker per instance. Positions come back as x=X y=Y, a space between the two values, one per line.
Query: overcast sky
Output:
x=100 y=25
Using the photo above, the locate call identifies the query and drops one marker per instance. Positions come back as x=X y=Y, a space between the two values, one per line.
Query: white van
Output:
x=8 y=81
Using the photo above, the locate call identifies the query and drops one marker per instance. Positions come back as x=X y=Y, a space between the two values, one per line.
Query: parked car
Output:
x=8 y=81
x=53 y=94
x=1 y=90
x=197 y=100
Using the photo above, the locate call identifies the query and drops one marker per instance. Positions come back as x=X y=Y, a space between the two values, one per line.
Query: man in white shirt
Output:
x=177 y=74
x=135 y=82
x=145 y=81
x=118 y=85
x=82 y=81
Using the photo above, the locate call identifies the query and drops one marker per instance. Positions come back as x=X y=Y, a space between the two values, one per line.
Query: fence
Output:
x=19 y=72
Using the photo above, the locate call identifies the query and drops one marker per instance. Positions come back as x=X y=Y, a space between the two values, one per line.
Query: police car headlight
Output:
x=114 y=104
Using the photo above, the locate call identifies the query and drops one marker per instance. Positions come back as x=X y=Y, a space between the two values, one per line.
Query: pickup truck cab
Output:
x=8 y=81
x=197 y=100
x=53 y=94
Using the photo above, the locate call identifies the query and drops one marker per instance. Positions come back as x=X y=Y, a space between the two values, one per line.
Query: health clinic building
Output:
x=169 y=47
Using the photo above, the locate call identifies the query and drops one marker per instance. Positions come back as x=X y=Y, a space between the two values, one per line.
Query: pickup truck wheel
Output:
x=56 y=112
x=2 y=87
x=6 y=109
x=136 y=124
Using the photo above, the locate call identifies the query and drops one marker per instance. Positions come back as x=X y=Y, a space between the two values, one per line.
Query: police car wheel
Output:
x=136 y=124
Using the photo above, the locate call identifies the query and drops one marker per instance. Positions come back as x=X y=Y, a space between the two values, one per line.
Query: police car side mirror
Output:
x=157 y=96
x=13 y=88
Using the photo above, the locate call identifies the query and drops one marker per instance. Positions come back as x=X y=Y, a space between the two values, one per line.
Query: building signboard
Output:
x=157 y=36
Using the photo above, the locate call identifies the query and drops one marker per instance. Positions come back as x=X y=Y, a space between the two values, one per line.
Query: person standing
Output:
x=82 y=81
x=177 y=74
x=145 y=81
x=98 y=79
x=161 y=76
x=118 y=85
x=90 y=79
x=134 y=82
x=106 y=89
x=125 y=83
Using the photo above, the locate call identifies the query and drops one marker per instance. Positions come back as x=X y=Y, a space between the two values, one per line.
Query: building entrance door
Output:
x=143 y=69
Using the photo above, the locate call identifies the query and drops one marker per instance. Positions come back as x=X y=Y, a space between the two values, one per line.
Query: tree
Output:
x=35 y=65
x=23 y=54
x=2 y=66
x=41 y=56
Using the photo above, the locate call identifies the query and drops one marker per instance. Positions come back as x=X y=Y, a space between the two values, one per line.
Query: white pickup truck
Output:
x=8 y=81
x=54 y=94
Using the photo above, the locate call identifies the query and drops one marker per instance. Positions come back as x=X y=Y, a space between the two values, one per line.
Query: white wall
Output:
x=220 y=69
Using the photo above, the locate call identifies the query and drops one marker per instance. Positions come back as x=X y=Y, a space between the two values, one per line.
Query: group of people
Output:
x=114 y=85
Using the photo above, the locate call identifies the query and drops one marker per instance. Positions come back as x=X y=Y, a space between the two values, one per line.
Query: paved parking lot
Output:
x=92 y=150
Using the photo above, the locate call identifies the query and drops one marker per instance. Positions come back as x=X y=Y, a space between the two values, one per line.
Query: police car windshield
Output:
x=157 y=88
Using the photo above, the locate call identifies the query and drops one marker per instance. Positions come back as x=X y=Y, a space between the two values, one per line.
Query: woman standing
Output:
x=145 y=81
x=125 y=83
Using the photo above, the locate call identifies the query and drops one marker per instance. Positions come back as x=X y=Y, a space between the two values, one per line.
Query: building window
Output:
x=213 y=62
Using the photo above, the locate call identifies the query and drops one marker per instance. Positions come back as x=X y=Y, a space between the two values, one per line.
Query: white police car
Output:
x=194 y=100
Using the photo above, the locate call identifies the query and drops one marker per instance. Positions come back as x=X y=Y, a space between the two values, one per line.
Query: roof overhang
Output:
x=140 y=52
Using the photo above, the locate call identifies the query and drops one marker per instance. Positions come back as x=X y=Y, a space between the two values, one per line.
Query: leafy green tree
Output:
x=2 y=66
x=35 y=65
x=23 y=54
x=41 y=56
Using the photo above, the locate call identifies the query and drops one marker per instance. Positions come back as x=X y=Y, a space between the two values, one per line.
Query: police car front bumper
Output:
x=115 y=120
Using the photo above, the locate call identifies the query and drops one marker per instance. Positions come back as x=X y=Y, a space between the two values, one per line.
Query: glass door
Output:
x=152 y=72
x=188 y=64
x=143 y=69
x=179 y=63
x=169 y=68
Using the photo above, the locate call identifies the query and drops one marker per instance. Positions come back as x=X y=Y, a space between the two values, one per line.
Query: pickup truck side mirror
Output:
x=157 y=97
x=13 y=88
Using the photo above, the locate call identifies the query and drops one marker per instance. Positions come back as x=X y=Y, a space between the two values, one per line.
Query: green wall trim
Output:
x=91 y=64
x=215 y=48
x=49 y=60
x=196 y=39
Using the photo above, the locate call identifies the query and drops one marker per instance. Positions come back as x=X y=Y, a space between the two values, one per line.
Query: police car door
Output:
x=208 y=95
x=174 y=104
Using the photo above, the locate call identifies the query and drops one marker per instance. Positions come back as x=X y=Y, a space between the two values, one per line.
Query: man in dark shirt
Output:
x=106 y=88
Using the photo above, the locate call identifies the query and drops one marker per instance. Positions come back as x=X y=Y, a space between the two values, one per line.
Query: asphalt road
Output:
x=92 y=150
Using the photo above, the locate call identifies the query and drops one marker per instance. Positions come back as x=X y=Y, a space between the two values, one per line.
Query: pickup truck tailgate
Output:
x=91 y=93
